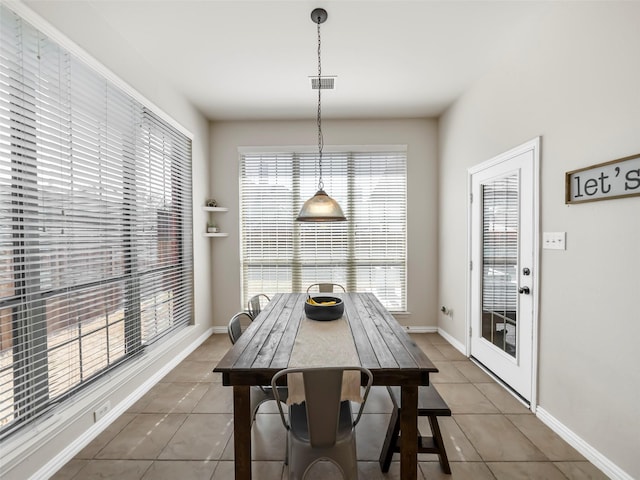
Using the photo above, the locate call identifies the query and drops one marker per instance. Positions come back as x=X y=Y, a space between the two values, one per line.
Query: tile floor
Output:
x=182 y=429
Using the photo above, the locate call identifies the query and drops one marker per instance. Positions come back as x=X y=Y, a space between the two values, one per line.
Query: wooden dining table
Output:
x=383 y=346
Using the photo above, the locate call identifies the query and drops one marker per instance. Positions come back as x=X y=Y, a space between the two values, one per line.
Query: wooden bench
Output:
x=431 y=405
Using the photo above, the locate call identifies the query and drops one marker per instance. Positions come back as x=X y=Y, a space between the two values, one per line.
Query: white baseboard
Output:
x=455 y=343
x=52 y=466
x=594 y=456
x=413 y=329
x=219 y=330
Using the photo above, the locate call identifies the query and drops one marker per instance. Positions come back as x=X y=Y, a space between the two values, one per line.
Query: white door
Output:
x=503 y=245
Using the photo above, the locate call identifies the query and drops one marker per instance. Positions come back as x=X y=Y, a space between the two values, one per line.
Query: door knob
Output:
x=524 y=290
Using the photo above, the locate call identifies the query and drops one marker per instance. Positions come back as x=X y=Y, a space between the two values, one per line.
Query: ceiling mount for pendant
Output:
x=319 y=15
x=321 y=207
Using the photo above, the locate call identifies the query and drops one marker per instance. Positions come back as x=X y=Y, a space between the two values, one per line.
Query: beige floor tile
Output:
x=259 y=471
x=449 y=352
x=496 y=439
x=436 y=339
x=144 y=437
x=447 y=373
x=106 y=436
x=472 y=372
x=177 y=397
x=70 y=469
x=114 y=469
x=431 y=351
x=370 y=433
x=217 y=399
x=190 y=371
x=186 y=470
x=486 y=424
x=525 y=471
x=459 y=471
x=501 y=398
x=545 y=439
x=200 y=437
x=420 y=339
x=138 y=406
x=378 y=401
x=465 y=398
x=580 y=471
x=456 y=443
x=268 y=438
x=211 y=350
x=371 y=471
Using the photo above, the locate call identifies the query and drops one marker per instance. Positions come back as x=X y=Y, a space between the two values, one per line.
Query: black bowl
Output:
x=324 y=312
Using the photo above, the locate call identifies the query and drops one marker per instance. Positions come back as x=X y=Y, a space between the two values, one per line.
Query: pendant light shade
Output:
x=321 y=207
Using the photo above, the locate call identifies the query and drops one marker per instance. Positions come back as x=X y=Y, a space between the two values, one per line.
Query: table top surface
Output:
x=383 y=345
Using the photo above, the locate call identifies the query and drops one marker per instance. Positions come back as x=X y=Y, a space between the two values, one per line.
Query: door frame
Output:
x=534 y=146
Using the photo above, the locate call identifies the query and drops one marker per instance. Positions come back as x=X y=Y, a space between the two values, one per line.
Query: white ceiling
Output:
x=253 y=59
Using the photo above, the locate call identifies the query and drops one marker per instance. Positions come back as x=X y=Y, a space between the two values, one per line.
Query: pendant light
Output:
x=321 y=207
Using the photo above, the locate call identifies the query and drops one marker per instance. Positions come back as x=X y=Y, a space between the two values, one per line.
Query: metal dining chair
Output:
x=326 y=287
x=256 y=303
x=258 y=394
x=321 y=427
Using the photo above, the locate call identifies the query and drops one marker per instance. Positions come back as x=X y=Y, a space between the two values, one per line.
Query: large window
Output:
x=95 y=215
x=365 y=253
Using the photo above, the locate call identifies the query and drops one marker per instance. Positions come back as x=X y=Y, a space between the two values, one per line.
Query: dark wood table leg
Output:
x=242 y=431
x=390 y=440
x=409 y=429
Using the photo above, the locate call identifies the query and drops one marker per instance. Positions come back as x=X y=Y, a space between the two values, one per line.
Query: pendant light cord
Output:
x=320 y=139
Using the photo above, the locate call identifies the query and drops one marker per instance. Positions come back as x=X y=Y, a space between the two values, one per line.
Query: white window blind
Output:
x=95 y=215
x=500 y=246
x=365 y=253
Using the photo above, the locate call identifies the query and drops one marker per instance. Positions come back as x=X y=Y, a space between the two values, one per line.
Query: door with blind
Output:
x=504 y=266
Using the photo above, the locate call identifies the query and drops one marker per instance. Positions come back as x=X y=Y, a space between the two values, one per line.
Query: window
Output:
x=95 y=215
x=365 y=253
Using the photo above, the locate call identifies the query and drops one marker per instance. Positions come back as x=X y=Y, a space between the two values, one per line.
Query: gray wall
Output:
x=420 y=136
x=577 y=86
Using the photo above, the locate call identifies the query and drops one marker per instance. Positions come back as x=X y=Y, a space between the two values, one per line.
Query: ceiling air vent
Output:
x=324 y=83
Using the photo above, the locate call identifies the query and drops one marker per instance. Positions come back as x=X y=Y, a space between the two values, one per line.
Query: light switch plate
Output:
x=554 y=240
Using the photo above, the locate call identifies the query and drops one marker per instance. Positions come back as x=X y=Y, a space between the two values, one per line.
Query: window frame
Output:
x=30 y=330
x=298 y=282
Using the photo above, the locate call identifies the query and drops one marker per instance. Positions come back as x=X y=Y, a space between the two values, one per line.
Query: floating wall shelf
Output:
x=215 y=209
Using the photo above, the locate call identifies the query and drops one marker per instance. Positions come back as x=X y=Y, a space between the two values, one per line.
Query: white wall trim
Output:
x=594 y=456
x=455 y=343
x=53 y=465
x=219 y=330
x=413 y=329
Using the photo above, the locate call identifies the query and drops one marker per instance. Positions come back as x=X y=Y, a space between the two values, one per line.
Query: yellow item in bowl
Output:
x=311 y=301
x=324 y=308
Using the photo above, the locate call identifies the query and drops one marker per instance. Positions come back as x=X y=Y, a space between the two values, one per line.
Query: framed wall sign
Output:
x=615 y=179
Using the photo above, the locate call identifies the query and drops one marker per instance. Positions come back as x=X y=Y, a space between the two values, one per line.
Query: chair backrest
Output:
x=326 y=287
x=323 y=388
x=256 y=303
x=234 y=328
